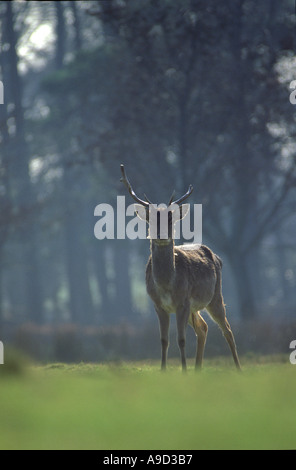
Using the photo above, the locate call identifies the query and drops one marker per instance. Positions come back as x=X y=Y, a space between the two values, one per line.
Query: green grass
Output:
x=135 y=406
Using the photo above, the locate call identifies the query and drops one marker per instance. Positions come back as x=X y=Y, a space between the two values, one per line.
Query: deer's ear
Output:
x=184 y=209
x=141 y=212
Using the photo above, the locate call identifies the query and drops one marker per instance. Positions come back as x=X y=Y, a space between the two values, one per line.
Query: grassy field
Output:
x=135 y=406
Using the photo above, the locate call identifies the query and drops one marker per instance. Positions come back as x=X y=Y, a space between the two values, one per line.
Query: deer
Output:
x=183 y=279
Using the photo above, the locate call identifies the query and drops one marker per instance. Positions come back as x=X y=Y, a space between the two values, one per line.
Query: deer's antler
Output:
x=182 y=198
x=124 y=180
x=146 y=203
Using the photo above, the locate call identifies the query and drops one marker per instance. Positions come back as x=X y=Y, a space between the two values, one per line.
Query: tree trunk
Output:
x=282 y=263
x=22 y=184
x=123 y=295
x=81 y=306
x=1 y=287
x=60 y=35
x=100 y=268
x=243 y=286
x=77 y=27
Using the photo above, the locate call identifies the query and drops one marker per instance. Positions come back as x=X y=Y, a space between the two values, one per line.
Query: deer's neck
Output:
x=163 y=263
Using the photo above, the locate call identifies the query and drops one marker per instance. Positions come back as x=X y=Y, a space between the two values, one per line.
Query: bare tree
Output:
x=20 y=184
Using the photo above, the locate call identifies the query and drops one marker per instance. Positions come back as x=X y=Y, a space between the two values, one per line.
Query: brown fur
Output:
x=185 y=280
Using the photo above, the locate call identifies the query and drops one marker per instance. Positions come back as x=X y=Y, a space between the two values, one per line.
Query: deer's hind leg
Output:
x=201 y=330
x=217 y=311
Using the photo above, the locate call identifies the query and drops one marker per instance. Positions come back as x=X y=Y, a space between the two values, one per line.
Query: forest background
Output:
x=181 y=92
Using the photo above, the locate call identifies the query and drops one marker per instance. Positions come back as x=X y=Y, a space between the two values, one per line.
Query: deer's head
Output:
x=160 y=218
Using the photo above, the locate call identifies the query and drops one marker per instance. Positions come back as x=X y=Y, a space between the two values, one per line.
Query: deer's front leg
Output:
x=164 y=324
x=182 y=314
